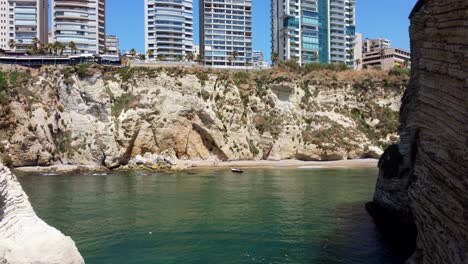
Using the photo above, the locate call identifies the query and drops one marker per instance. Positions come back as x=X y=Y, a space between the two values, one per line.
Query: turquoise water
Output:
x=261 y=216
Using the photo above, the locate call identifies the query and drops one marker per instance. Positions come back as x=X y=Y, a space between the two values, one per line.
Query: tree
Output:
x=161 y=57
x=274 y=58
x=48 y=48
x=133 y=52
x=230 y=58
x=142 y=56
x=382 y=55
x=105 y=50
x=72 y=46
x=180 y=57
x=358 y=62
x=35 y=45
x=150 y=54
x=200 y=59
x=235 y=55
x=314 y=55
x=189 y=56
x=61 y=47
x=12 y=44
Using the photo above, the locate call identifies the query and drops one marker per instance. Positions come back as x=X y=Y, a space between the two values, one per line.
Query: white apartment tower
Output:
x=21 y=21
x=226 y=32
x=168 y=29
x=80 y=21
x=314 y=30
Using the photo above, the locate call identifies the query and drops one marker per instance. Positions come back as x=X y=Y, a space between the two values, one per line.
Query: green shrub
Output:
x=399 y=71
x=126 y=74
x=83 y=70
x=4 y=98
x=60 y=108
x=7 y=160
x=122 y=103
x=241 y=77
x=3 y=81
x=253 y=148
x=202 y=78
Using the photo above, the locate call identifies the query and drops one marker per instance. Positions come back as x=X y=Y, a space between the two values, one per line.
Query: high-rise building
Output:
x=22 y=21
x=80 y=21
x=168 y=28
x=314 y=30
x=226 y=32
x=112 y=44
x=371 y=45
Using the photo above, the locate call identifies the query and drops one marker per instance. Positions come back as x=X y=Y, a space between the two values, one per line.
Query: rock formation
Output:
x=87 y=115
x=24 y=237
x=423 y=181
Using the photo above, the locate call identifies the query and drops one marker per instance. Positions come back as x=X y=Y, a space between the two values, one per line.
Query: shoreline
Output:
x=286 y=164
x=188 y=165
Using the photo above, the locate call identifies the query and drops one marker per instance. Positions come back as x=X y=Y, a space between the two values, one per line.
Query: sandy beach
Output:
x=291 y=164
x=195 y=165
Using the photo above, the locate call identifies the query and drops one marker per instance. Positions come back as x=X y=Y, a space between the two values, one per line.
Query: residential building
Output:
x=112 y=44
x=168 y=28
x=314 y=30
x=80 y=21
x=22 y=21
x=358 y=52
x=196 y=51
x=370 y=45
x=226 y=32
x=257 y=57
x=386 y=59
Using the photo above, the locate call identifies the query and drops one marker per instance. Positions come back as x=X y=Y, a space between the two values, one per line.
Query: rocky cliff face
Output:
x=24 y=238
x=423 y=180
x=97 y=115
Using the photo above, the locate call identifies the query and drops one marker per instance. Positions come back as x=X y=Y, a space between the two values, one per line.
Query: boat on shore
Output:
x=237 y=170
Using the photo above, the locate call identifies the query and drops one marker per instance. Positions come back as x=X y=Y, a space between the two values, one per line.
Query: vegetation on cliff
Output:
x=104 y=115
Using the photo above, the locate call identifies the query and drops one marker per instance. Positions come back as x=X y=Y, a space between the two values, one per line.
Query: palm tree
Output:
x=55 y=47
x=105 y=50
x=35 y=44
x=161 y=57
x=189 y=56
x=12 y=44
x=200 y=59
x=235 y=54
x=382 y=55
x=150 y=54
x=61 y=47
x=274 y=58
x=48 y=48
x=358 y=62
x=72 y=46
x=230 y=58
x=133 y=52
x=314 y=56
x=180 y=57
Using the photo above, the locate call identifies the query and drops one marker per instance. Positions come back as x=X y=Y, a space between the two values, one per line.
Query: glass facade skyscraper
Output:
x=80 y=21
x=168 y=28
x=226 y=32
x=313 y=30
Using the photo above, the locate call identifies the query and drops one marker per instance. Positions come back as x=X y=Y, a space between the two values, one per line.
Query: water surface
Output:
x=261 y=216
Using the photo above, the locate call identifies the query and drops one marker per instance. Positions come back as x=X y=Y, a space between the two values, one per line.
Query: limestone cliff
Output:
x=24 y=238
x=423 y=180
x=101 y=115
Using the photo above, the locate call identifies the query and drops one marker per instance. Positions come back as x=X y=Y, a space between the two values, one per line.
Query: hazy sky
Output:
x=374 y=18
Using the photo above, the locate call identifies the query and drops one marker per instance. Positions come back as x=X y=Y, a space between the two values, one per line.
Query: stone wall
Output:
x=426 y=179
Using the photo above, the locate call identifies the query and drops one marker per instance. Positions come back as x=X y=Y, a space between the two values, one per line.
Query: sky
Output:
x=374 y=18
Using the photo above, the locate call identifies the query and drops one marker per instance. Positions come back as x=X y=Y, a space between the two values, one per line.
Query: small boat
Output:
x=237 y=170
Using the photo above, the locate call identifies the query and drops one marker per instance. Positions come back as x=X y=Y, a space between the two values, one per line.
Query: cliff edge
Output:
x=24 y=237
x=423 y=181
